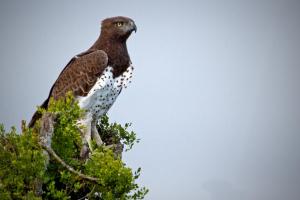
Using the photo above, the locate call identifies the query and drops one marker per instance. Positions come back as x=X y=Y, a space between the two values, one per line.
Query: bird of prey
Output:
x=97 y=76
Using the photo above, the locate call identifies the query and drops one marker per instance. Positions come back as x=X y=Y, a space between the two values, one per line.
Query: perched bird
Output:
x=97 y=76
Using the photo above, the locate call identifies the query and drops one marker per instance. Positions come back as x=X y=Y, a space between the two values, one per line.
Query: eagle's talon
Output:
x=85 y=151
x=95 y=134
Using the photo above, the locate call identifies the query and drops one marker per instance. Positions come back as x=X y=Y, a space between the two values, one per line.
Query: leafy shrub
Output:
x=27 y=171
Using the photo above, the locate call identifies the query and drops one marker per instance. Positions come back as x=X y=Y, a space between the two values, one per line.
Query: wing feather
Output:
x=80 y=75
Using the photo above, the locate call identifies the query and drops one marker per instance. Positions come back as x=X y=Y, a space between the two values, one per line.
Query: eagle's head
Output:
x=118 y=27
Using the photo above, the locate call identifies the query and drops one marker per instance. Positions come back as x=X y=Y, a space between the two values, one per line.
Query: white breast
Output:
x=104 y=93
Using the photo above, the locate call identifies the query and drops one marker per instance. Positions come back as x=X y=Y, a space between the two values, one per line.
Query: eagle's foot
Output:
x=85 y=132
x=95 y=135
x=89 y=132
x=85 y=151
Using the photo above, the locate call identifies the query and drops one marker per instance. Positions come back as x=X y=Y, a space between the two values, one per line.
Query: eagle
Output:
x=96 y=76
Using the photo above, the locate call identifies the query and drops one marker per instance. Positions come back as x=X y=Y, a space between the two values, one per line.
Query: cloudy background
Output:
x=215 y=97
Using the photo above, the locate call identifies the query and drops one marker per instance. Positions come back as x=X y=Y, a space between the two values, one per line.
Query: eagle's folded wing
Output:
x=80 y=75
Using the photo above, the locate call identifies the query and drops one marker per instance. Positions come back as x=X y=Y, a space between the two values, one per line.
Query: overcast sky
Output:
x=215 y=95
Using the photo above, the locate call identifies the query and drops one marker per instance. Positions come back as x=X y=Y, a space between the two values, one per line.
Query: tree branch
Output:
x=46 y=133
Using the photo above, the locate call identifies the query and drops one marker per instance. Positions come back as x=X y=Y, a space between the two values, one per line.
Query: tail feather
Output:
x=36 y=116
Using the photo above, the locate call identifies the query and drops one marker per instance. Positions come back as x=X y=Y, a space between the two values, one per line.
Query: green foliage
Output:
x=117 y=133
x=66 y=140
x=21 y=165
x=116 y=180
x=25 y=172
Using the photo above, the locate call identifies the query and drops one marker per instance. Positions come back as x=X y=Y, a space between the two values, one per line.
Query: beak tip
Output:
x=133 y=26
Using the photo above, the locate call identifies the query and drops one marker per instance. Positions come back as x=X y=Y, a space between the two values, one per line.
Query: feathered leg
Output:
x=88 y=131
x=85 y=129
x=95 y=134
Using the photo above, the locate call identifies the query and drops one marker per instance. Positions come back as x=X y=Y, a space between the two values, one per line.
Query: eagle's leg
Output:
x=95 y=134
x=85 y=129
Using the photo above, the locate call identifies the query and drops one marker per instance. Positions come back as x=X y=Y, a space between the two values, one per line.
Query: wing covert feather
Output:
x=80 y=74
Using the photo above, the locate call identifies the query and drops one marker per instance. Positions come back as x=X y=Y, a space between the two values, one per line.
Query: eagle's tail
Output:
x=36 y=116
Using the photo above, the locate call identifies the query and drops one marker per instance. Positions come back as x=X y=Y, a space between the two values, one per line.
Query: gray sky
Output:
x=215 y=96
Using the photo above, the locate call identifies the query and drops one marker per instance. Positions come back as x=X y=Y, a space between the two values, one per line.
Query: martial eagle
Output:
x=97 y=76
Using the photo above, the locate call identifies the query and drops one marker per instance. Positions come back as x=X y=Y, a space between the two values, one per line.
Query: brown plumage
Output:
x=83 y=70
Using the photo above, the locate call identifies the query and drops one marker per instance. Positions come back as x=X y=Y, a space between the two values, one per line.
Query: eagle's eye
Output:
x=119 y=24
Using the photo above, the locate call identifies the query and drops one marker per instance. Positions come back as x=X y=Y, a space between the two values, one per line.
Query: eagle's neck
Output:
x=116 y=50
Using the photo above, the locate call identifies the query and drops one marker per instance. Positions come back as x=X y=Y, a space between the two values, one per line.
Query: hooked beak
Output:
x=133 y=26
